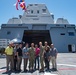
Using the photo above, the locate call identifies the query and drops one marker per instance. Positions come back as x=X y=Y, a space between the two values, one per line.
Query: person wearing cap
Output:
x=53 y=54
x=9 y=57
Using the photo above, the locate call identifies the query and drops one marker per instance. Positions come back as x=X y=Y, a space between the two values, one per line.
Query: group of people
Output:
x=38 y=57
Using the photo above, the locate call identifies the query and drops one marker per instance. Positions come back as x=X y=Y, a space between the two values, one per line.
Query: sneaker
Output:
x=41 y=70
x=55 y=69
x=25 y=70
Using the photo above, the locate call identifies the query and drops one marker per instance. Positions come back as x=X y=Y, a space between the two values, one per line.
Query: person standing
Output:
x=19 y=57
x=45 y=46
x=25 y=56
x=53 y=53
x=9 y=57
x=15 y=56
x=47 y=57
x=31 y=57
x=41 y=56
x=37 y=52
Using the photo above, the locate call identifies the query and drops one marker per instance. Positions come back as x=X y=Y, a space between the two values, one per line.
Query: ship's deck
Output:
x=66 y=66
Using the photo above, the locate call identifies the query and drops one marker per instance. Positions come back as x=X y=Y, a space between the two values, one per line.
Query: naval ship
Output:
x=38 y=24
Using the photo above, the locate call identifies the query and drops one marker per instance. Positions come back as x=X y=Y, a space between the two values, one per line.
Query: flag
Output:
x=20 y=0
x=23 y=6
x=17 y=5
x=21 y=3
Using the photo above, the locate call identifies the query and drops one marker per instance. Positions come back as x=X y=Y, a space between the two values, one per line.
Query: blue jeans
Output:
x=37 y=61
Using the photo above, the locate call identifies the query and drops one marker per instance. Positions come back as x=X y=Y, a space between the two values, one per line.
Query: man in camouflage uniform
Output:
x=41 y=56
x=31 y=57
x=46 y=44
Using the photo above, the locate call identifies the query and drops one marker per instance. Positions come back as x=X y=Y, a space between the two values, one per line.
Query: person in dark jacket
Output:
x=47 y=57
x=45 y=45
x=15 y=57
x=19 y=57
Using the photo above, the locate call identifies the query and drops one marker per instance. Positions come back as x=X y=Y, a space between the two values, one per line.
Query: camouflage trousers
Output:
x=31 y=63
x=42 y=62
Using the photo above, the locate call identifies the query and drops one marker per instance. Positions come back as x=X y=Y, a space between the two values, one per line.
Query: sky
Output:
x=60 y=8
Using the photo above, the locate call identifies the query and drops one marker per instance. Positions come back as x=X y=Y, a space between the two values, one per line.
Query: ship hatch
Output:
x=36 y=36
